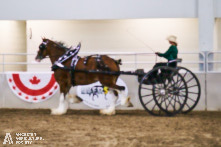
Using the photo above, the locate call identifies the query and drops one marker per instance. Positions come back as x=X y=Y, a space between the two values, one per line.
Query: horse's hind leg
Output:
x=73 y=98
x=124 y=99
x=111 y=109
x=121 y=94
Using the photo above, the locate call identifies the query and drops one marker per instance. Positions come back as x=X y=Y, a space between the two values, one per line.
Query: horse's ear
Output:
x=79 y=45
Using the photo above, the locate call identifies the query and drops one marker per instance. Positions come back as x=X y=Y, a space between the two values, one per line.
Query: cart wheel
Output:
x=160 y=93
x=194 y=90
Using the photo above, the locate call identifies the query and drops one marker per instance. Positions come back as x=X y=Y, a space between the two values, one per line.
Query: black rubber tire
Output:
x=194 y=89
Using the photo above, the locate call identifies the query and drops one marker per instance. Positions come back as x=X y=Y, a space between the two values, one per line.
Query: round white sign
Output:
x=97 y=96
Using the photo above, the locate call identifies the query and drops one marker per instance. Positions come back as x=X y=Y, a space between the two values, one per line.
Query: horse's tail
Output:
x=119 y=62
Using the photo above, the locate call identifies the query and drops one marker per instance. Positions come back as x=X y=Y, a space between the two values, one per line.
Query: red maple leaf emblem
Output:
x=34 y=80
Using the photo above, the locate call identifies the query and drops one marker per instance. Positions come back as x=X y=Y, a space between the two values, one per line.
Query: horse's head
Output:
x=42 y=52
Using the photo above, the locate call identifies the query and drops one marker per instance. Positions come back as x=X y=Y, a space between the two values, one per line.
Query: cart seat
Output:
x=178 y=60
x=173 y=63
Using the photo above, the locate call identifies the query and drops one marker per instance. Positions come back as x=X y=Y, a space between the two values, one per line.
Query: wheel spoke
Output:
x=169 y=103
x=148 y=101
x=174 y=107
x=153 y=107
x=146 y=95
x=185 y=74
x=189 y=80
x=178 y=100
x=180 y=95
x=146 y=88
x=165 y=100
x=191 y=99
x=192 y=86
x=193 y=92
x=182 y=87
x=188 y=106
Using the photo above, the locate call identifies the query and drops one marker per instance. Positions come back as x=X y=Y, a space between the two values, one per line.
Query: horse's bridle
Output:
x=43 y=45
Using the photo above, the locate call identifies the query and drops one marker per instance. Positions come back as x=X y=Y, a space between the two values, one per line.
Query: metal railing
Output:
x=195 y=61
x=213 y=61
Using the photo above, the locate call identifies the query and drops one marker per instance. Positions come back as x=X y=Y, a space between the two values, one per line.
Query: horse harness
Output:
x=73 y=53
x=99 y=62
x=68 y=54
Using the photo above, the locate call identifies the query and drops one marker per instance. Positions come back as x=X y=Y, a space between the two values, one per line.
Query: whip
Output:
x=141 y=41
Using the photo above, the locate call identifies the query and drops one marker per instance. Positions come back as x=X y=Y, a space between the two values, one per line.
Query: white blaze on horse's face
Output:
x=42 y=53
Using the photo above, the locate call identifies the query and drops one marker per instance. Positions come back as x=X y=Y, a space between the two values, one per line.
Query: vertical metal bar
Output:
x=3 y=62
x=4 y=77
x=206 y=71
x=135 y=61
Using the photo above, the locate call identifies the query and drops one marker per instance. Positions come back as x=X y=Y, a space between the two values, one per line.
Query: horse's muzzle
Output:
x=38 y=58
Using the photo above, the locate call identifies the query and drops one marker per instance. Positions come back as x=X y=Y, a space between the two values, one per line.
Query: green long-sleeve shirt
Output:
x=170 y=54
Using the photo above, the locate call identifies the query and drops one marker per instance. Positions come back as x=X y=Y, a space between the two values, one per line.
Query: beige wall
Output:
x=217 y=45
x=130 y=35
x=116 y=35
x=13 y=40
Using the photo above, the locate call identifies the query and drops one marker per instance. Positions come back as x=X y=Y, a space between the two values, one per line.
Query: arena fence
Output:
x=195 y=61
x=206 y=65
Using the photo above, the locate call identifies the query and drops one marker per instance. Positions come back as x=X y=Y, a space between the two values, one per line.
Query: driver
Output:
x=170 y=54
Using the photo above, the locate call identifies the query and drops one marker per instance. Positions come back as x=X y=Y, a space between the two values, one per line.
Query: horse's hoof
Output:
x=125 y=101
x=57 y=112
x=107 y=112
x=102 y=112
x=129 y=104
x=112 y=113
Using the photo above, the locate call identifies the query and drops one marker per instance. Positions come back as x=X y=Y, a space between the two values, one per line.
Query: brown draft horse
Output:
x=54 y=50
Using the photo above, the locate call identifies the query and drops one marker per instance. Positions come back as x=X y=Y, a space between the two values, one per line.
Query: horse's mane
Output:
x=59 y=44
x=62 y=45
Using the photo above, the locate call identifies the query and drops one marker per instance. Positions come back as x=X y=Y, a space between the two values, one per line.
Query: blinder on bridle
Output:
x=42 y=47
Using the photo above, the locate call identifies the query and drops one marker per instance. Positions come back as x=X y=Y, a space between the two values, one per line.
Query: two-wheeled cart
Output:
x=168 y=91
x=165 y=91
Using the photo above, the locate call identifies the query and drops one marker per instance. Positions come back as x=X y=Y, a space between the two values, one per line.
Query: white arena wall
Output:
x=97 y=9
x=9 y=100
x=210 y=99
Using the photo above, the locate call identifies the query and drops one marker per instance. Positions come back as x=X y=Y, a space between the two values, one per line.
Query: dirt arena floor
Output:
x=126 y=129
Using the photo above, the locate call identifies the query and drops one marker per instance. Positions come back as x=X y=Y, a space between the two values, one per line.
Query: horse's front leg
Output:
x=62 y=107
x=63 y=103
